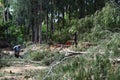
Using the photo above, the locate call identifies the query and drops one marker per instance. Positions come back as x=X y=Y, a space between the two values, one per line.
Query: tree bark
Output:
x=47 y=27
x=40 y=22
x=81 y=9
x=63 y=20
x=52 y=22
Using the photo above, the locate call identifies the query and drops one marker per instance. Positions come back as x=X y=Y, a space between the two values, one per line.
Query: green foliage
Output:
x=99 y=25
x=11 y=32
x=108 y=17
x=44 y=29
x=62 y=36
x=85 y=68
x=2 y=74
x=4 y=63
x=46 y=57
x=115 y=40
x=37 y=56
x=4 y=60
x=51 y=57
x=114 y=43
x=16 y=35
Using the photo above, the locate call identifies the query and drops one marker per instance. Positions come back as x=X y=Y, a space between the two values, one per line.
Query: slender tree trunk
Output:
x=69 y=11
x=51 y=25
x=47 y=27
x=28 y=32
x=33 y=32
x=36 y=30
x=6 y=10
x=4 y=19
x=7 y=14
x=63 y=20
x=95 y=5
x=31 y=21
x=35 y=22
x=82 y=9
x=40 y=22
x=58 y=22
x=40 y=32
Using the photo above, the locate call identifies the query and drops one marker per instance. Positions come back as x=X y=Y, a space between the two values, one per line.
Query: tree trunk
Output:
x=32 y=29
x=82 y=9
x=47 y=27
x=69 y=11
x=95 y=5
x=63 y=20
x=35 y=22
x=6 y=10
x=7 y=14
x=40 y=22
x=52 y=22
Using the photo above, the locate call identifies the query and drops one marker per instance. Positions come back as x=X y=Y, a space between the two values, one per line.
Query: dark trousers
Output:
x=17 y=54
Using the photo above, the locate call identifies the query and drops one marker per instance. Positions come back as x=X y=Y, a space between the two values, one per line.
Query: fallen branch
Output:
x=71 y=53
x=115 y=60
x=50 y=70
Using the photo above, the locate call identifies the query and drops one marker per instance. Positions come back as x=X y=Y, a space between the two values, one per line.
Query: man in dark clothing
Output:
x=17 y=50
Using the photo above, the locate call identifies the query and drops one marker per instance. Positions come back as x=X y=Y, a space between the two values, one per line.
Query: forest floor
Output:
x=19 y=72
x=22 y=69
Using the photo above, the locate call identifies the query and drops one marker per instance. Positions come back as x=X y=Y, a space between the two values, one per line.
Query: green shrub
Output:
x=46 y=57
x=84 y=68
x=52 y=57
x=4 y=60
x=37 y=56
x=61 y=36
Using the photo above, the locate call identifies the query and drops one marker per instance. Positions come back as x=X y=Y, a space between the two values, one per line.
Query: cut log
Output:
x=87 y=44
x=71 y=53
x=117 y=60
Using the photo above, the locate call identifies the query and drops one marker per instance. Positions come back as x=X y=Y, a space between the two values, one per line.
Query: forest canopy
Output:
x=42 y=20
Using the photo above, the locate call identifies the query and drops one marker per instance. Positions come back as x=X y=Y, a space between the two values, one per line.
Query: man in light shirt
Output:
x=17 y=49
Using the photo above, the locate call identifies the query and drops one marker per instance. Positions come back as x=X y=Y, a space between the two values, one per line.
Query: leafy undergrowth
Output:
x=34 y=60
x=99 y=64
x=102 y=61
x=46 y=57
x=4 y=60
x=96 y=65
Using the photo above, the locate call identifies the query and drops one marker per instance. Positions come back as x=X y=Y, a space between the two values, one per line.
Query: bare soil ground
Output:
x=19 y=72
x=20 y=69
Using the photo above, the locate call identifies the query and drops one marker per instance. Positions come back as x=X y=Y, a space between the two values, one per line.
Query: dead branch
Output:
x=52 y=66
x=117 y=60
x=71 y=53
